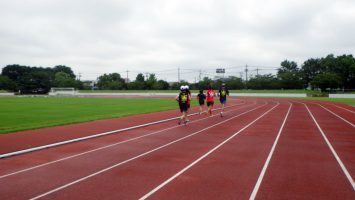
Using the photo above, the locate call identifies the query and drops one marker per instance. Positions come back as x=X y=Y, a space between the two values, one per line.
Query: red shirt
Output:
x=210 y=95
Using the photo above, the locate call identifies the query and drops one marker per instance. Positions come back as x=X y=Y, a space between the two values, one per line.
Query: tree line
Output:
x=28 y=79
x=325 y=73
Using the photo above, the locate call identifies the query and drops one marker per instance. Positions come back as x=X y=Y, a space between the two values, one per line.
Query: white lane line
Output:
x=91 y=136
x=347 y=174
x=203 y=156
x=139 y=156
x=340 y=107
x=351 y=124
x=111 y=145
x=263 y=171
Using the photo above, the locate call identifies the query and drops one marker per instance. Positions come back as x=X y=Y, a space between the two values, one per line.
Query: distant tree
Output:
x=151 y=81
x=327 y=80
x=310 y=69
x=161 y=85
x=65 y=69
x=63 y=79
x=15 y=72
x=289 y=75
x=287 y=66
x=111 y=81
x=7 y=84
x=202 y=85
x=234 y=83
x=140 y=77
x=261 y=82
x=177 y=85
x=344 y=67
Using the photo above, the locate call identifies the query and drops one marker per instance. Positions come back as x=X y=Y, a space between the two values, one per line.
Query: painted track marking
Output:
x=203 y=156
x=108 y=146
x=347 y=174
x=139 y=156
x=341 y=107
x=335 y=114
x=261 y=176
x=91 y=136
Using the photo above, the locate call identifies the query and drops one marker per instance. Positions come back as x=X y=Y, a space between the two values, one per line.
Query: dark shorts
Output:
x=183 y=107
x=223 y=101
x=210 y=103
x=201 y=103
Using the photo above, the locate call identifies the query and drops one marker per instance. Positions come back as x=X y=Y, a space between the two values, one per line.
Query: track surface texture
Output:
x=260 y=149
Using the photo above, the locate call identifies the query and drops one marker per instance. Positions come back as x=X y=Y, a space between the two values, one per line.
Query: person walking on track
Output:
x=223 y=93
x=201 y=100
x=210 y=99
x=183 y=98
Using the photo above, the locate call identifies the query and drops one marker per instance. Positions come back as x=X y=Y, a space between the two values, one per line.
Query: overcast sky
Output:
x=103 y=36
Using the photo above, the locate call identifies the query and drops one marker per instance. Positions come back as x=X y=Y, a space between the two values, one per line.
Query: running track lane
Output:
x=135 y=178
x=33 y=138
x=345 y=114
x=303 y=167
x=231 y=171
x=345 y=107
x=339 y=133
x=37 y=180
x=36 y=159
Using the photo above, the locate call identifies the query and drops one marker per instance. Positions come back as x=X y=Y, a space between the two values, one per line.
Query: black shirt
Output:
x=201 y=98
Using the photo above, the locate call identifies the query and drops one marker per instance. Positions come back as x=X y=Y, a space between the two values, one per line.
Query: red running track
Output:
x=263 y=149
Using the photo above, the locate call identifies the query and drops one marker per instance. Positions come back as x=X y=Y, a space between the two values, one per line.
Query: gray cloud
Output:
x=95 y=37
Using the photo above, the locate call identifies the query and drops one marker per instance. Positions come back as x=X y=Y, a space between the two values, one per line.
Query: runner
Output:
x=210 y=99
x=201 y=100
x=188 y=101
x=222 y=93
x=182 y=98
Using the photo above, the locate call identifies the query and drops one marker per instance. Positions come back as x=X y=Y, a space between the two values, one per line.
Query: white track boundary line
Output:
x=111 y=145
x=335 y=114
x=340 y=107
x=347 y=174
x=93 y=136
x=263 y=171
x=203 y=156
x=139 y=156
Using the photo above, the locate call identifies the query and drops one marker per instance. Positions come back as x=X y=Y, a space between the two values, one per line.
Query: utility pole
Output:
x=179 y=74
x=79 y=76
x=127 y=76
x=246 y=72
x=246 y=76
x=257 y=71
x=146 y=76
x=199 y=75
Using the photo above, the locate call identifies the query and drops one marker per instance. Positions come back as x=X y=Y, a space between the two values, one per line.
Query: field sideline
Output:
x=27 y=113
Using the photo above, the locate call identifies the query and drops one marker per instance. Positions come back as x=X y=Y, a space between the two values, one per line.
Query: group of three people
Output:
x=184 y=99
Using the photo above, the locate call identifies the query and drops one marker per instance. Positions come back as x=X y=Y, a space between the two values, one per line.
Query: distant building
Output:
x=90 y=84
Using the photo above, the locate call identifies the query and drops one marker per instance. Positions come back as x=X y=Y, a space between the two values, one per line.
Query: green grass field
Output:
x=335 y=100
x=29 y=113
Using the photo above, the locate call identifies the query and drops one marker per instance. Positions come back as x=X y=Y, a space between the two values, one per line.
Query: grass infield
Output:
x=335 y=100
x=30 y=113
